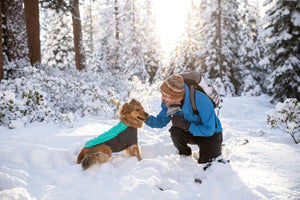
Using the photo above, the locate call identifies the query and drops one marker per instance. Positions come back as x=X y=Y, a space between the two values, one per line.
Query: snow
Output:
x=296 y=18
x=9 y=96
x=38 y=161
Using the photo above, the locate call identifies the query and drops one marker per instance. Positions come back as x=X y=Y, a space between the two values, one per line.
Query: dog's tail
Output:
x=101 y=155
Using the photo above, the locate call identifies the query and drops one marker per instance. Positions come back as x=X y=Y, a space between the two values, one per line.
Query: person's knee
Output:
x=180 y=141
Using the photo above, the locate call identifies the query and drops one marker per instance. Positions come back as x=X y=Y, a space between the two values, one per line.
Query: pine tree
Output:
x=209 y=40
x=183 y=59
x=150 y=41
x=106 y=38
x=58 y=47
x=126 y=43
x=221 y=41
x=250 y=51
x=258 y=71
x=282 y=34
x=131 y=58
x=88 y=29
x=186 y=55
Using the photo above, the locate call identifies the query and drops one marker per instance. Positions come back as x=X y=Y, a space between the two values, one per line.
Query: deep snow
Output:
x=38 y=161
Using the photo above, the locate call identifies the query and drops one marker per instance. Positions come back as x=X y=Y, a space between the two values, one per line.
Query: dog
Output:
x=121 y=137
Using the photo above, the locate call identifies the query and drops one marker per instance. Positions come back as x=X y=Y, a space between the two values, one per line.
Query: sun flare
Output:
x=170 y=19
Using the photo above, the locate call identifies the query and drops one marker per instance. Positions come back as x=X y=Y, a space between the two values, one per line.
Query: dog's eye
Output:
x=137 y=109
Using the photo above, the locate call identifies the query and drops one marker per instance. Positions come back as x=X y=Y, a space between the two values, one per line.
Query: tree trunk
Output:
x=117 y=32
x=117 y=20
x=220 y=40
x=78 y=43
x=33 y=30
x=1 y=52
x=91 y=27
x=14 y=31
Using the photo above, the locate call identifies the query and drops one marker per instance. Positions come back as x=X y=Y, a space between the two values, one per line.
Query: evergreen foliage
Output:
x=58 y=46
x=282 y=33
x=250 y=50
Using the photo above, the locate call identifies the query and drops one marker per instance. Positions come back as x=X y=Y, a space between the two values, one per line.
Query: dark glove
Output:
x=179 y=122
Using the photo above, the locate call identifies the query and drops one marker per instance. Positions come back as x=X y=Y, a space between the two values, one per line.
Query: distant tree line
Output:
x=226 y=40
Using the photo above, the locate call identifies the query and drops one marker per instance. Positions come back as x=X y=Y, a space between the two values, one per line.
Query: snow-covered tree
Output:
x=231 y=43
x=125 y=39
x=106 y=38
x=258 y=71
x=150 y=42
x=250 y=50
x=131 y=58
x=282 y=33
x=15 y=47
x=221 y=41
x=209 y=36
x=88 y=28
x=186 y=55
x=57 y=48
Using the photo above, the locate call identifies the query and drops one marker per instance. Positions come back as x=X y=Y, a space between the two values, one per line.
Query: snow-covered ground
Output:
x=38 y=162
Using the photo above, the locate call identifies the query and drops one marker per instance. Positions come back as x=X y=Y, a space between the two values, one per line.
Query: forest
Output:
x=68 y=66
x=93 y=53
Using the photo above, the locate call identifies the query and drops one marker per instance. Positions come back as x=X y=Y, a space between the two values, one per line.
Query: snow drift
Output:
x=38 y=161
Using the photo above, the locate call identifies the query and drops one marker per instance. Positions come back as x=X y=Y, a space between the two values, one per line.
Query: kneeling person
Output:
x=204 y=129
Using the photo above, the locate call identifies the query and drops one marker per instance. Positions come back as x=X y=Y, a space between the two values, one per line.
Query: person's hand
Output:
x=179 y=122
x=147 y=117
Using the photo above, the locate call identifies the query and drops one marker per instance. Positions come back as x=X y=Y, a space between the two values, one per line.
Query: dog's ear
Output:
x=125 y=109
x=134 y=101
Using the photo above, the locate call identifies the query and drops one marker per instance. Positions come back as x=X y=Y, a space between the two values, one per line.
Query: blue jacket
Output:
x=205 y=124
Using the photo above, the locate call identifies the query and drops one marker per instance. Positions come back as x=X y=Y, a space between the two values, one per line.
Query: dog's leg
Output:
x=134 y=150
x=100 y=154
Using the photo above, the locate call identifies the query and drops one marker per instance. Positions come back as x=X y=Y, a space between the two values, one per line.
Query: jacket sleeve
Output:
x=206 y=111
x=161 y=120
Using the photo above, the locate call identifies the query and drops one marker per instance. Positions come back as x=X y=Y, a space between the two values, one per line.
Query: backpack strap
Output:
x=193 y=103
x=192 y=98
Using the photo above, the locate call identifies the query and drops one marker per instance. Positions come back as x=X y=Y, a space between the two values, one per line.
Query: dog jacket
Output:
x=118 y=138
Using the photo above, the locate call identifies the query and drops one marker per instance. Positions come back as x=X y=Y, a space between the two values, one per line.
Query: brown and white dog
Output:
x=132 y=115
